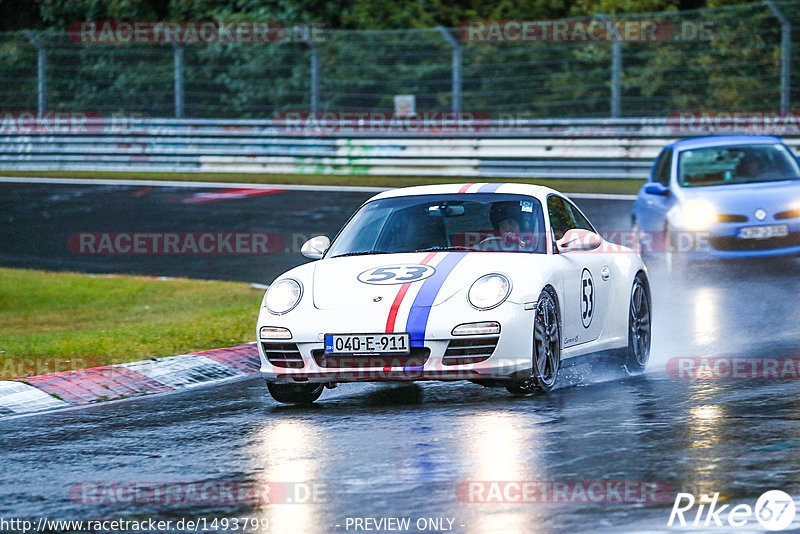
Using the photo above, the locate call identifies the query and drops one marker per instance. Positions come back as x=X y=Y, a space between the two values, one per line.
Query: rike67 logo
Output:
x=774 y=510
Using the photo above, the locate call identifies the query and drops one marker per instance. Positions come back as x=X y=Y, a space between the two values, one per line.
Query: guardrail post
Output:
x=786 y=56
x=616 y=70
x=177 y=50
x=307 y=36
x=455 y=46
x=314 y=78
x=41 y=72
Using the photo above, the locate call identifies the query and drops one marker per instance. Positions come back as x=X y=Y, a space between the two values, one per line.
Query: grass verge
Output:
x=587 y=185
x=66 y=321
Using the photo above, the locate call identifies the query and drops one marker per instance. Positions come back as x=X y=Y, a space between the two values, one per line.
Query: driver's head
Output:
x=749 y=165
x=506 y=217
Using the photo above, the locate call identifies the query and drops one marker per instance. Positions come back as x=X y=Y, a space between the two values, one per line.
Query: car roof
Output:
x=532 y=190
x=722 y=140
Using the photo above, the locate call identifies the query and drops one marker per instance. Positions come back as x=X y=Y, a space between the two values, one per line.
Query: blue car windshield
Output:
x=485 y=222
x=738 y=164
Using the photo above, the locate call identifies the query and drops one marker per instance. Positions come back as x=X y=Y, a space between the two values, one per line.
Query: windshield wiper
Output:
x=360 y=253
x=439 y=249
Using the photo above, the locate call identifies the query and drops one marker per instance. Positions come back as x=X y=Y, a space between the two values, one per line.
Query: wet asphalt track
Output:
x=402 y=450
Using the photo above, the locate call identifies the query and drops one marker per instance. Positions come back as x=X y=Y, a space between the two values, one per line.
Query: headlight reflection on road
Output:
x=705 y=312
x=497 y=447
x=285 y=449
x=705 y=425
x=494 y=445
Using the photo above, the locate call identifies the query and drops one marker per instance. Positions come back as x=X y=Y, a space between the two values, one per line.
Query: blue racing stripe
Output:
x=489 y=188
x=417 y=321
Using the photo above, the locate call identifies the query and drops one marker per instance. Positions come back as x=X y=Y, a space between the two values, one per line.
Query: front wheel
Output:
x=546 y=350
x=639 y=332
x=295 y=393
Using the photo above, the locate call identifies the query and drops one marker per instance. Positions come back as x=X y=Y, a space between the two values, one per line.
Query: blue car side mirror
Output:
x=655 y=188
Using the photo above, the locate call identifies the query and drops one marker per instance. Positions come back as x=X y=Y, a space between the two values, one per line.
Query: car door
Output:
x=586 y=275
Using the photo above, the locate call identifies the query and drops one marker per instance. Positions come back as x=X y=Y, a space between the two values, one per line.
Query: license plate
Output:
x=764 y=232
x=367 y=343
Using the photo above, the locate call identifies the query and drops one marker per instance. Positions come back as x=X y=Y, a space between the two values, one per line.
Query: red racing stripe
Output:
x=399 y=298
x=464 y=188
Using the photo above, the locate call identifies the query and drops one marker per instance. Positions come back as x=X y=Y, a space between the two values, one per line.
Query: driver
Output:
x=749 y=166
x=510 y=224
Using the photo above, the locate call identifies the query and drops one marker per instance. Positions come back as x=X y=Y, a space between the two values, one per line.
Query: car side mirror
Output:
x=579 y=240
x=656 y=188
x=315 y=247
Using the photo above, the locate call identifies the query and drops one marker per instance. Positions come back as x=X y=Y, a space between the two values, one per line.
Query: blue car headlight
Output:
x=698 y=214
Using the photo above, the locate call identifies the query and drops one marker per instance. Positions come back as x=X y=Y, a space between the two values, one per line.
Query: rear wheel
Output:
x=295 y=393
x=639 y=332
x=546 y=350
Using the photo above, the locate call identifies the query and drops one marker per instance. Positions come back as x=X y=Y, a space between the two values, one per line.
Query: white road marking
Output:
x=193 y=185
x=233 y=185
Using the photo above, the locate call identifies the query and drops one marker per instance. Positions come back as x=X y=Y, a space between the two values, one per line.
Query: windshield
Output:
x=490 y=222
x=739 y=164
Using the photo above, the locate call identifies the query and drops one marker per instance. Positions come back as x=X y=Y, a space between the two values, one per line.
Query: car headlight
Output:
x=283 y=296
x=489 y=291
x=698 y=213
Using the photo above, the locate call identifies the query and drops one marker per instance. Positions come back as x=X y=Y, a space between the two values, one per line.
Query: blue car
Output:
x=720 y=197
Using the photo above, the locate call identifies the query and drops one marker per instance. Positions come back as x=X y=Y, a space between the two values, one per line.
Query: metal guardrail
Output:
x=553 y=148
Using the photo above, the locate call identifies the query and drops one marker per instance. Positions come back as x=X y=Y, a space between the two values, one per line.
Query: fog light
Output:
x=474 y=329
x=274 y=332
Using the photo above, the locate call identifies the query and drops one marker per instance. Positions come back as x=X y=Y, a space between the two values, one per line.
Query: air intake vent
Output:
x=416 y=358
x=733 y=243
x=283 y=355
x=462 y=351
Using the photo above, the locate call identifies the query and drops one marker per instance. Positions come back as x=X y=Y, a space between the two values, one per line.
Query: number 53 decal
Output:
x=396 y=274
x=587 y=298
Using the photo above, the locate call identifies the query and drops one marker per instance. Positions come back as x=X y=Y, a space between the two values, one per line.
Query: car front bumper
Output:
x=442 y=356
x=722 y=242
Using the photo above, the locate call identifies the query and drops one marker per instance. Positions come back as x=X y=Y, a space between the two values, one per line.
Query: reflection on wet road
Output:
x=404 y=450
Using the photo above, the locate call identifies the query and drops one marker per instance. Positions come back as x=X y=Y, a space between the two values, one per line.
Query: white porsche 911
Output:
x=493 y=283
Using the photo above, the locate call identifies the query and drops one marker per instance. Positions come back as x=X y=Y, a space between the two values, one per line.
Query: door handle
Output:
x=605 y=273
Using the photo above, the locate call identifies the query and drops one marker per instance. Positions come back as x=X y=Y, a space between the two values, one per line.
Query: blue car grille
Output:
x=730 y=218
x=790 y=214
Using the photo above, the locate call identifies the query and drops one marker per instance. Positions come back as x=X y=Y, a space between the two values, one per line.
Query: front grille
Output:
x=790 y=214
x=283 y=355
x=416 y=358
x=730 y=218
x=734 y=243
x=462 y=351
